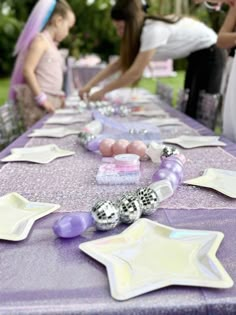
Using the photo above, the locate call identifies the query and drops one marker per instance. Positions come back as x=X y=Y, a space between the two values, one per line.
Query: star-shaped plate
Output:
x=66 y=120
x=148 y=256
x=17 y=215
x=189 y=142
x=53 y=132
x=41 y=154
x=68 y=111
x=164 y=121
x=223 y=181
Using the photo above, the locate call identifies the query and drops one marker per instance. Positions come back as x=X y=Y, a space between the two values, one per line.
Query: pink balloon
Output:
x=105 y=147
x=120 y=147
x=137 y=147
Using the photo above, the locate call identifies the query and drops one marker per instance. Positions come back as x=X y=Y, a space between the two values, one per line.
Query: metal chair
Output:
x=165 y=92
x=209 y=107
x=182 y=99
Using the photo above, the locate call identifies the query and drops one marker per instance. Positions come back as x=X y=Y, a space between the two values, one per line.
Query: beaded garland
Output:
x=106 y=215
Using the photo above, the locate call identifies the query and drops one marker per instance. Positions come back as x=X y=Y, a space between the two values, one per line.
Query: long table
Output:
x=48 y=275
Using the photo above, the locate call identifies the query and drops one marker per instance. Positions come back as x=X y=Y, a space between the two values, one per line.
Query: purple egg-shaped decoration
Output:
x=173 y=165
x=165 y=173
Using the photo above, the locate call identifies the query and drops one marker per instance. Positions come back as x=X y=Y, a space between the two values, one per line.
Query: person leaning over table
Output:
x=227 y=39
x=145 y=37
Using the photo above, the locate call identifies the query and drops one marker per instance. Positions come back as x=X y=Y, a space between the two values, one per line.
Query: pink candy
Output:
x=105 y=147
x=110 y=147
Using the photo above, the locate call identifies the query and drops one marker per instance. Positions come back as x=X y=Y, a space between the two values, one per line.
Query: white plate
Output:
x=67 y=111
x=66 y=120
x=223 y=181
x=189 y=142
x=151 y=113
x=148 y=256
x=53 y=132
x=40 y=154
x=164 y=121
x=17 y=215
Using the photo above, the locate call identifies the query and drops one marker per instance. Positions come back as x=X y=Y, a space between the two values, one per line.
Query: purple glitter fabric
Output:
x=44 y=275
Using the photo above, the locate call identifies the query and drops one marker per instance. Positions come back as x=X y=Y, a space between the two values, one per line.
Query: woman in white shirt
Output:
x=144 y=38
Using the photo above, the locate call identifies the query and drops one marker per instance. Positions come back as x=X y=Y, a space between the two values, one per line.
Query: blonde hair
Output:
x=62 y=7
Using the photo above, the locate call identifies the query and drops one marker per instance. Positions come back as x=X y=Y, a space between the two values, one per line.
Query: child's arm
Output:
x=227 y=34
x=103 y=74
x=36 y=51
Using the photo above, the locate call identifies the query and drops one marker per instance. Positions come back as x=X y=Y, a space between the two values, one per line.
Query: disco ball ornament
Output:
x=105 y=215
x=168 y=151
x=129 y=208
x=148 y=199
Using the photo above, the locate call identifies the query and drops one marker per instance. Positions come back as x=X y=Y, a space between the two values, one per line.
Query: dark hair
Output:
x=132 y=12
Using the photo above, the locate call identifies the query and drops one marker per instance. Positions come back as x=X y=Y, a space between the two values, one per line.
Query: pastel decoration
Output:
x=171 y=168
x=70 y=226
x=126 y=159
x=106 y=147
x=165 y=173
x=144 y=201
x=120 y=147
x=137 y=147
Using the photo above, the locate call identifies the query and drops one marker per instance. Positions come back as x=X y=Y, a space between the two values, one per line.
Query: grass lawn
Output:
x=4 y=86
x=176 y=82
x=149 y=84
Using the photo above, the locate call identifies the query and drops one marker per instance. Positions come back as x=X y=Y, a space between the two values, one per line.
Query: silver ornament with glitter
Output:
x=105 y=215
x=107 y=111
x=143 y=131
x=168 y=151
x=85 y=138
x=148 y=199
x=129 y=208
x=124 y=111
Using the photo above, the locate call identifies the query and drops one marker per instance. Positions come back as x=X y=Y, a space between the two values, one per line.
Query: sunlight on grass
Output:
x=4 y=87
x=176 y=83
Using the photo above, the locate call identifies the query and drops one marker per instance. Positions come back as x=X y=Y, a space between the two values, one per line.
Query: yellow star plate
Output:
x=17 y=215
x=148 y=256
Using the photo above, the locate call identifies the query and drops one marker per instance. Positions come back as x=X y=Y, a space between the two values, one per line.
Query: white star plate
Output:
x=66 y=120
x=164 y=121
x=148 y=256
x=67 y=111
x=190 y=142
x=53 y=132
x=151 y=113
x=17 y=215
x=40 y=154
x=223 y=181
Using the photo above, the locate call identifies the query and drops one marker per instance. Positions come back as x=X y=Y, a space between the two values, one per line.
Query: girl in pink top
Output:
x=39 y=63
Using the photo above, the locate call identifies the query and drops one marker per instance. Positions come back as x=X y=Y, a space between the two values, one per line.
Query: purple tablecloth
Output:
x=46 y=275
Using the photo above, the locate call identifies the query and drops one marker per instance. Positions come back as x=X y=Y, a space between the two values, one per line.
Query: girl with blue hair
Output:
x=37 y=79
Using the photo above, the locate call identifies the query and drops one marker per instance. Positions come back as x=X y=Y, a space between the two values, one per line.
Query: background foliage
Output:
x=93 y=32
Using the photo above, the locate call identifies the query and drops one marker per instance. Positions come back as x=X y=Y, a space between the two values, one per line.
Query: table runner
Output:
x=71 y=181
x=44 y=275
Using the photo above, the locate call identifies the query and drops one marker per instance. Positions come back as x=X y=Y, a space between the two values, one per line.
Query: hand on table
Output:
x=97 y=96
x=84 y=91
x=49 y=107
